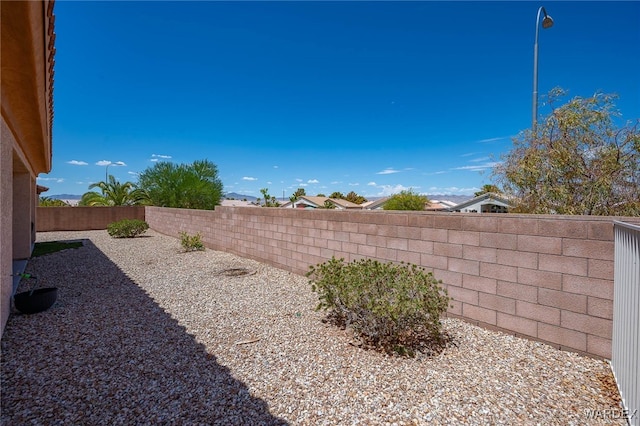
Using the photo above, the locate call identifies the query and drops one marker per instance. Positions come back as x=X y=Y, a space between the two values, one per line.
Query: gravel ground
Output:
x=144 y=334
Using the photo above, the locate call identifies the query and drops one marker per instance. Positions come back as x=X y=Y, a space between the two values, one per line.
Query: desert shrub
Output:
x=392 y=307
x=406 y=200
x=127 y=228
x=191 y=242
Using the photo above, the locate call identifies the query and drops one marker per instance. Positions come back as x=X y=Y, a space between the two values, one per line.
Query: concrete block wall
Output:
x=548 y=278
x=83 y=218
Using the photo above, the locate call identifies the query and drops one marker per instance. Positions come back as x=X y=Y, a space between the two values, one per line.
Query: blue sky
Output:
x=371 y=97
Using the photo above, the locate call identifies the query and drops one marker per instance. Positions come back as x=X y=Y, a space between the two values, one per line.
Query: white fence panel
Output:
x=625 y=356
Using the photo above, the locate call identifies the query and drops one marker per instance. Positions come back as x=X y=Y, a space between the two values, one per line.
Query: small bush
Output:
x=191 y=242
x=127 y=228
x=395 y=308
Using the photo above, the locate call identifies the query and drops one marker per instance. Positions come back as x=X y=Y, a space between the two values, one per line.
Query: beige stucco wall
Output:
x=6 y=221
x=27 y=62
x=22 y=195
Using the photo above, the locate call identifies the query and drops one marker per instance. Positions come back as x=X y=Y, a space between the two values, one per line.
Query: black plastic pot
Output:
x=38 y=300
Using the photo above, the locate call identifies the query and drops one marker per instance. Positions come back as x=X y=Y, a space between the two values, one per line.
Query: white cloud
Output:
x=249 y=178
x=391 y=189
x=77 y=163
x=110 y=163
x=304 y=184
x=160 y=156
x=452 y=190
x=134 y=173
x=313 y=181
x=478 y=167
x=269 y=183
x=51 y=179
x=335 y=182
x=477 y=160
x=388 y=171
x=493 y=139
x=275 y=167
x=154 y=160
x=371 y=184
x=298 y=180
x=354 y=184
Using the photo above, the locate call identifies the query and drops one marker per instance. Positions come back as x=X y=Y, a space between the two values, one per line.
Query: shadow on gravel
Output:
x=106 y=353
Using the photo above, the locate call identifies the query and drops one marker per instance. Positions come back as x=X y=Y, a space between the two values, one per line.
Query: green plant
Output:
x=392 y=307
x=113 y=193
x=579 y=160
x=51 y=202
x=185 y=186
x=127 y=228
x=269 y=200
x=406 y=200
x=191 y=242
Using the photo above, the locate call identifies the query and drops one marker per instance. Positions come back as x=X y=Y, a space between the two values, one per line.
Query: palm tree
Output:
x=487 y=188
x=113 y=193
x=51 y=202
x=186 y=186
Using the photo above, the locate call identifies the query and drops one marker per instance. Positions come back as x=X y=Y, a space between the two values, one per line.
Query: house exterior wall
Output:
x=84 y=218
x=22 y=214
x=483 y=206
x=548 y=278
x=26 y=82
x=6 y=221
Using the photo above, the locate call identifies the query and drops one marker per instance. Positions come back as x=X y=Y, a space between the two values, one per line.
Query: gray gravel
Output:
x=145 y=334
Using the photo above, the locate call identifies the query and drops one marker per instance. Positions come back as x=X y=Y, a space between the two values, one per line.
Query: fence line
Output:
x=626 y=317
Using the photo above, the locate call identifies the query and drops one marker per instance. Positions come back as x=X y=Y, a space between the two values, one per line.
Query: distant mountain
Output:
x=64 y=196
x=236 y=196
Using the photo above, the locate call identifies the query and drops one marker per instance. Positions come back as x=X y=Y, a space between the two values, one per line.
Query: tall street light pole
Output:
x=547 y=22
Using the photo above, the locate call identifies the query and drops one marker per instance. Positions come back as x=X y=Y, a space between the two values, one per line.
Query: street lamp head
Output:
x=547 y=21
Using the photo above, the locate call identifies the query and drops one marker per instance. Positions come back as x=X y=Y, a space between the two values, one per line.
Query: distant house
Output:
x=28 y=49
x=237 y=203
x=445 y=203
x=308 y=202
x=375 y=204
x=436 y=206
x=486 y=203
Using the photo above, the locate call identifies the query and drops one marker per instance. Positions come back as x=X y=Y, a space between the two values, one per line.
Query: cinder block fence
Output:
x=548 y=278
x=83 y=218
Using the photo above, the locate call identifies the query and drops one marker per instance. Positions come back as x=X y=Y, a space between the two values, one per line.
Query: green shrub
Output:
x=191 y=242
x=406 y=200
x=391 y=307
x=127 y=228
